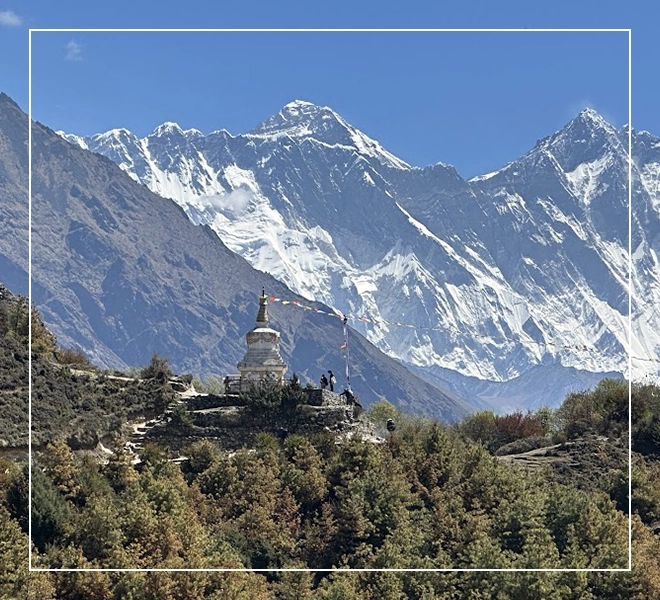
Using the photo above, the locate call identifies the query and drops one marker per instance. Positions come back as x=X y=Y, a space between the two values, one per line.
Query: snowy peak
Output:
x=584 y=139
x=300 y=118
x=588 y=126
x=120 y=136
x=646 y=146
x=167 y=128
x=304 y=120
x=307 y=121
x=594 y=118
x=119 y=141
x=172 y=130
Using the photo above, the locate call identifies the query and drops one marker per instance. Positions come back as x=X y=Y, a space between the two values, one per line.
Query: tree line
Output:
x=430 y=496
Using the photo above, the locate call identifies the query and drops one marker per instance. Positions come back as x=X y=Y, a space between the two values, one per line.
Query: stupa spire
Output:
x=262 y=316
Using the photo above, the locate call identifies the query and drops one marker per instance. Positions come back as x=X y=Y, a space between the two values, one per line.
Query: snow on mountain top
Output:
x=167 y=126
x=645 y=137
x=590 y=120
x=304 y=120
x=120 y=132
x=298 y=118
x=171 y=128
x=584 y=139
x=117 y=131
x=76 y=140
x=301 y=105
x=590 y=113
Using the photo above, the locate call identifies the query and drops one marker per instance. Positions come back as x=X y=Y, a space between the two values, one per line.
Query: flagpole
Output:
x=348 y=358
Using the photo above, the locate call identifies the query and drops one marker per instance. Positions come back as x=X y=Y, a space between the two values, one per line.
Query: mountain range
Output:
x=120 y=273
x=511 y=288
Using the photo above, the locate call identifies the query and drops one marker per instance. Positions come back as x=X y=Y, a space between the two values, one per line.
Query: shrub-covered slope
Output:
x=429 y=497
x=68 y=403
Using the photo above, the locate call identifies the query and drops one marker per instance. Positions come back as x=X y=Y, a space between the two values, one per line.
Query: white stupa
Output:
x=262 y=361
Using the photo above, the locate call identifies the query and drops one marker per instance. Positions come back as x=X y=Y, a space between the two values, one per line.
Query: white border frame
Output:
x=287 y=30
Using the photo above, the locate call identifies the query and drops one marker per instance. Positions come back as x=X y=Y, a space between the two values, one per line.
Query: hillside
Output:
x=119 y=273
x=429 y=497
x=71 y=400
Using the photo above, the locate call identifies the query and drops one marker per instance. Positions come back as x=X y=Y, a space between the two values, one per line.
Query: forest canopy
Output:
x=430 y=496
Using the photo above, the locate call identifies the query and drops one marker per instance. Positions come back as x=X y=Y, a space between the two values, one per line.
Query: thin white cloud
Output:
x=235 y=202
x=8 y=18
x=73 y=51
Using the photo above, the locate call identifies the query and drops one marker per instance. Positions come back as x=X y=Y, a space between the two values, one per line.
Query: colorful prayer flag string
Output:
x=379 y=322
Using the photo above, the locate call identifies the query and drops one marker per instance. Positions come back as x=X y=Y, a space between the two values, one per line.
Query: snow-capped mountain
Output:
x=120 y=273
x=500 y=275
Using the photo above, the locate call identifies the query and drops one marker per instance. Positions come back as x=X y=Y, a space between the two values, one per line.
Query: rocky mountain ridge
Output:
x=501 y=280
x=120 y=274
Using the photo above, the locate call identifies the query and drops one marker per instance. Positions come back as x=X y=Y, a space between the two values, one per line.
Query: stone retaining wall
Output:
x=237 y=426
x=318 y=397
x=315 y=397
x=213 y=401
x=305 y=419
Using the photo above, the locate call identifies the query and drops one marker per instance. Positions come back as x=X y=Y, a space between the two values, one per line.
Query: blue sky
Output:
x=474 y=100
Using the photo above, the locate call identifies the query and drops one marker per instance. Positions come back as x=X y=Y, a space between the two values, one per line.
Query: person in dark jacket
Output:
x=332 y=381
x=324 y=381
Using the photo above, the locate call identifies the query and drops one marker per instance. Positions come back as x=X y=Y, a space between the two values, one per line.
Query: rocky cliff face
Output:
x=120 y=273
x=516 y=281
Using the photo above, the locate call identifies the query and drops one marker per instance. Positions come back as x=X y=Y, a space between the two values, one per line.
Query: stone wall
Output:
x=236 y=427
x=315 y=397
x=234 y=423
x=318 y=397
x=212 y=401
x=305 y=419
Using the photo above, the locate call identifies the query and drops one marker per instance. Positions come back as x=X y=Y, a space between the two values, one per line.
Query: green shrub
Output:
x=68 y=356
x=265 y=395
x=201 y=455
x=158 y=369
x=495 y=431
x=603 y=410
x=181 y=416
x=292 y=394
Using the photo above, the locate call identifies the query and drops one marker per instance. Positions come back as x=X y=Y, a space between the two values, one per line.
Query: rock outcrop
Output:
x=234 y=421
